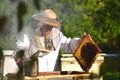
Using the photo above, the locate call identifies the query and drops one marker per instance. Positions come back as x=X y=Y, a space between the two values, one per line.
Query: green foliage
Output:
x=99 y=18
x=111 y=76
x=7 y=43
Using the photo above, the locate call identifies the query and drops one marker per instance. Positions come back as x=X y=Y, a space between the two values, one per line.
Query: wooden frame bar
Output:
x=62 y=77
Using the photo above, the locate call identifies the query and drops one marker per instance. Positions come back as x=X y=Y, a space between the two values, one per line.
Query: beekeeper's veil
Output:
x=46 y=17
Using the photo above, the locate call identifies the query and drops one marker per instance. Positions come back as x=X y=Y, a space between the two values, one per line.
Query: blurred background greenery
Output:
x=99 y=18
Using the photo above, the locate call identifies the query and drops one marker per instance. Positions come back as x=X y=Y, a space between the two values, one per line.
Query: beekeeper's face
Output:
x=46 y=30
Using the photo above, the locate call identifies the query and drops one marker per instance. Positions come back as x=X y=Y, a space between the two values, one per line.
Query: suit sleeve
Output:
x=68 y=44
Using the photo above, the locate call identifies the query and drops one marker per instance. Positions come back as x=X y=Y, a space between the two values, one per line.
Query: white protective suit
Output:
x=47 y=61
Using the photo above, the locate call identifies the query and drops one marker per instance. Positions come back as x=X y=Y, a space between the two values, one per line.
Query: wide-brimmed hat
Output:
x=49 y=18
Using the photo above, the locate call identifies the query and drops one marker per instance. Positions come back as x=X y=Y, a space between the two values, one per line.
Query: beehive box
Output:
x=69 y=63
